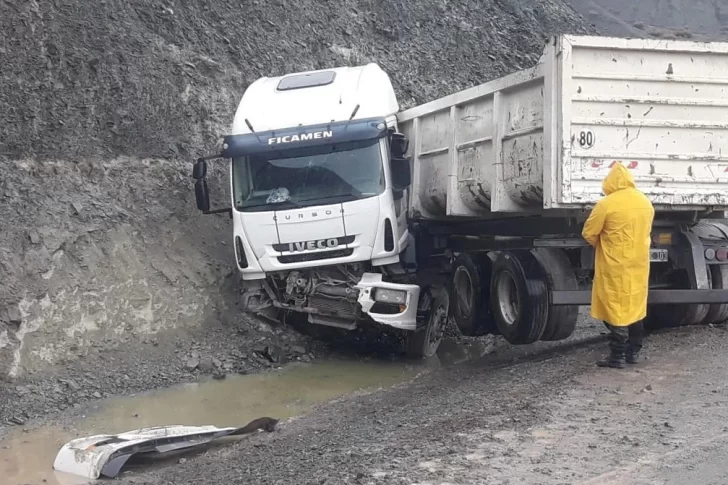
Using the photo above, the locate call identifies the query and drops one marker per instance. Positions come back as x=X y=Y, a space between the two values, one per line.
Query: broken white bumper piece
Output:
x=373 y=290
x=99 y=455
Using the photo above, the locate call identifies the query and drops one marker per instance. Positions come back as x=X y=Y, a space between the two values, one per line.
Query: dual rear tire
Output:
x=469 y=290
x=718 y=313
x=510 y=296
x=519 y=297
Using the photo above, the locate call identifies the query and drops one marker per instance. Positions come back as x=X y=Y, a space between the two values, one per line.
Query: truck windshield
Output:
x=333 y=173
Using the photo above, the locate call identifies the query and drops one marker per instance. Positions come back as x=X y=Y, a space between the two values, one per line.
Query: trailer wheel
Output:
x=672 y=316
x=433 y=308
x=559 y=275
x=519 y=297
x=718 y=313
x=469 y=292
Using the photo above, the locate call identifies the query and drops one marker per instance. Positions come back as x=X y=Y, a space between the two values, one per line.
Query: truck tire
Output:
x=718 y=313
x=558 y=273
x=433 y=309
x=470 y=306
x=519 y=297
x=672 y=316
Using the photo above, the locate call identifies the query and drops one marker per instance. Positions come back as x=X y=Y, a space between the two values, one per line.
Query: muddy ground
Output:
x=541 y=414
x=547 y=418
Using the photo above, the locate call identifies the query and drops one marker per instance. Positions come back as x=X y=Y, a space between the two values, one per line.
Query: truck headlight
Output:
x=390 y=296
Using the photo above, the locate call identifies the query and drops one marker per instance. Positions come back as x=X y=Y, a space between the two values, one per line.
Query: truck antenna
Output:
x=353 y=113
x=250 y=127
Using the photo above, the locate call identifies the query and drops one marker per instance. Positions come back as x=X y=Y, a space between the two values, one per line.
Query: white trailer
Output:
x=480 y=195
x=543 y=139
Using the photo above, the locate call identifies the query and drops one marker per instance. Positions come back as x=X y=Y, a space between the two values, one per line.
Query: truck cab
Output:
x=319 y=183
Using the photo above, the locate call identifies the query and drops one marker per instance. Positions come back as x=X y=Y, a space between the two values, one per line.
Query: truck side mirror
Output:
x=401 y=176
x=202 y=195
x=199 y=169
x=399 y=144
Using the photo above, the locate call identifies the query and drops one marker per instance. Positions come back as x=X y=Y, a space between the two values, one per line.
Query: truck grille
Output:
x=299 y=258
x=340 y=306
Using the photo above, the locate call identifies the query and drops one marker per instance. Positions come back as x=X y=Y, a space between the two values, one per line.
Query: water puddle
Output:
x=27 y=457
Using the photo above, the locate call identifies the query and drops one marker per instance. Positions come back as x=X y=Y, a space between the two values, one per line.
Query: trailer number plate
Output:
x=586 y=139
x=658 y=255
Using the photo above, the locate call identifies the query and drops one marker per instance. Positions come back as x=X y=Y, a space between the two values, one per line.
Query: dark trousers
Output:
x=626 y=340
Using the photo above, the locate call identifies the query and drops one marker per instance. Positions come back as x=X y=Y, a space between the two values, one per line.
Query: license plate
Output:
x=658 y=255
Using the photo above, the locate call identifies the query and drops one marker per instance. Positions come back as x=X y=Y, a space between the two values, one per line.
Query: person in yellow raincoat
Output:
x=618 y=229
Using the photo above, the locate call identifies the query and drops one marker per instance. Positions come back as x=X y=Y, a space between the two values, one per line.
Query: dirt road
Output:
x=548 y=418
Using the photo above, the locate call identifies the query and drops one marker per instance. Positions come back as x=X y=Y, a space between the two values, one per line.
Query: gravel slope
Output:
x=669 y=19
x=162 y=79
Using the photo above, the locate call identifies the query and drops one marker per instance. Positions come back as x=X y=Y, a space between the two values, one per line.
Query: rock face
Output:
x=162 y=79
x=120 y=254
x=667 y=19
x=104 y=104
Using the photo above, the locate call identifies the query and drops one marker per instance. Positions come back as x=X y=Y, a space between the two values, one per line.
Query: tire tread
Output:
x=533 y=293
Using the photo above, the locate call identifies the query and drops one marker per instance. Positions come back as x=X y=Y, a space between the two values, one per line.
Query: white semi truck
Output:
x=349 y=211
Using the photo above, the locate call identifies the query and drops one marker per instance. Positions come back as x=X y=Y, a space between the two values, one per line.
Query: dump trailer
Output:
x=471 y=206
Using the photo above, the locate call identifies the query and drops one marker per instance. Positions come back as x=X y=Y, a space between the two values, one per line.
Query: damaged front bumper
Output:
x=391 y=304
x=105 y=455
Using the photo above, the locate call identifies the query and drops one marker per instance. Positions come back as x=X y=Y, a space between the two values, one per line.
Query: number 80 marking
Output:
x=586 y=139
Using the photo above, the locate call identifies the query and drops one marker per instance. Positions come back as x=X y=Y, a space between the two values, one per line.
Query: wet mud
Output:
x=548 y=416
x=26 y=456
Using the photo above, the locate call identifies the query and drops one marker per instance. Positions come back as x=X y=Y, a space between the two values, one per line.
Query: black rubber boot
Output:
x=612 y=361
x=632 y=356
x=616 y=357
x=634 y=342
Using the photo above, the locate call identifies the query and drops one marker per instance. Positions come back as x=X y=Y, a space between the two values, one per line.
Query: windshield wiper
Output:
x=349 y=196
x=294 y=205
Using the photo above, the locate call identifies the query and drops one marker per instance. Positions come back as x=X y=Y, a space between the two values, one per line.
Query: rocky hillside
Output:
x=161 y=79
x=671 y=19
x=103 y=105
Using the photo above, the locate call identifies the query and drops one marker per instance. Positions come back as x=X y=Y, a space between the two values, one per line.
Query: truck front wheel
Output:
x=433 y=311
x=519 y=297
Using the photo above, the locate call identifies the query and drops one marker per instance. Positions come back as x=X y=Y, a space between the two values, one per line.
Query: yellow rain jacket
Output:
x=619 y=230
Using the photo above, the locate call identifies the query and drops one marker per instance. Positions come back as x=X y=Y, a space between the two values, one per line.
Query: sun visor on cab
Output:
x=302 y=137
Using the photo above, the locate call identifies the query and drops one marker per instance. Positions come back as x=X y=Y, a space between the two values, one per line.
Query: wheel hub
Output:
x=508 y=298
